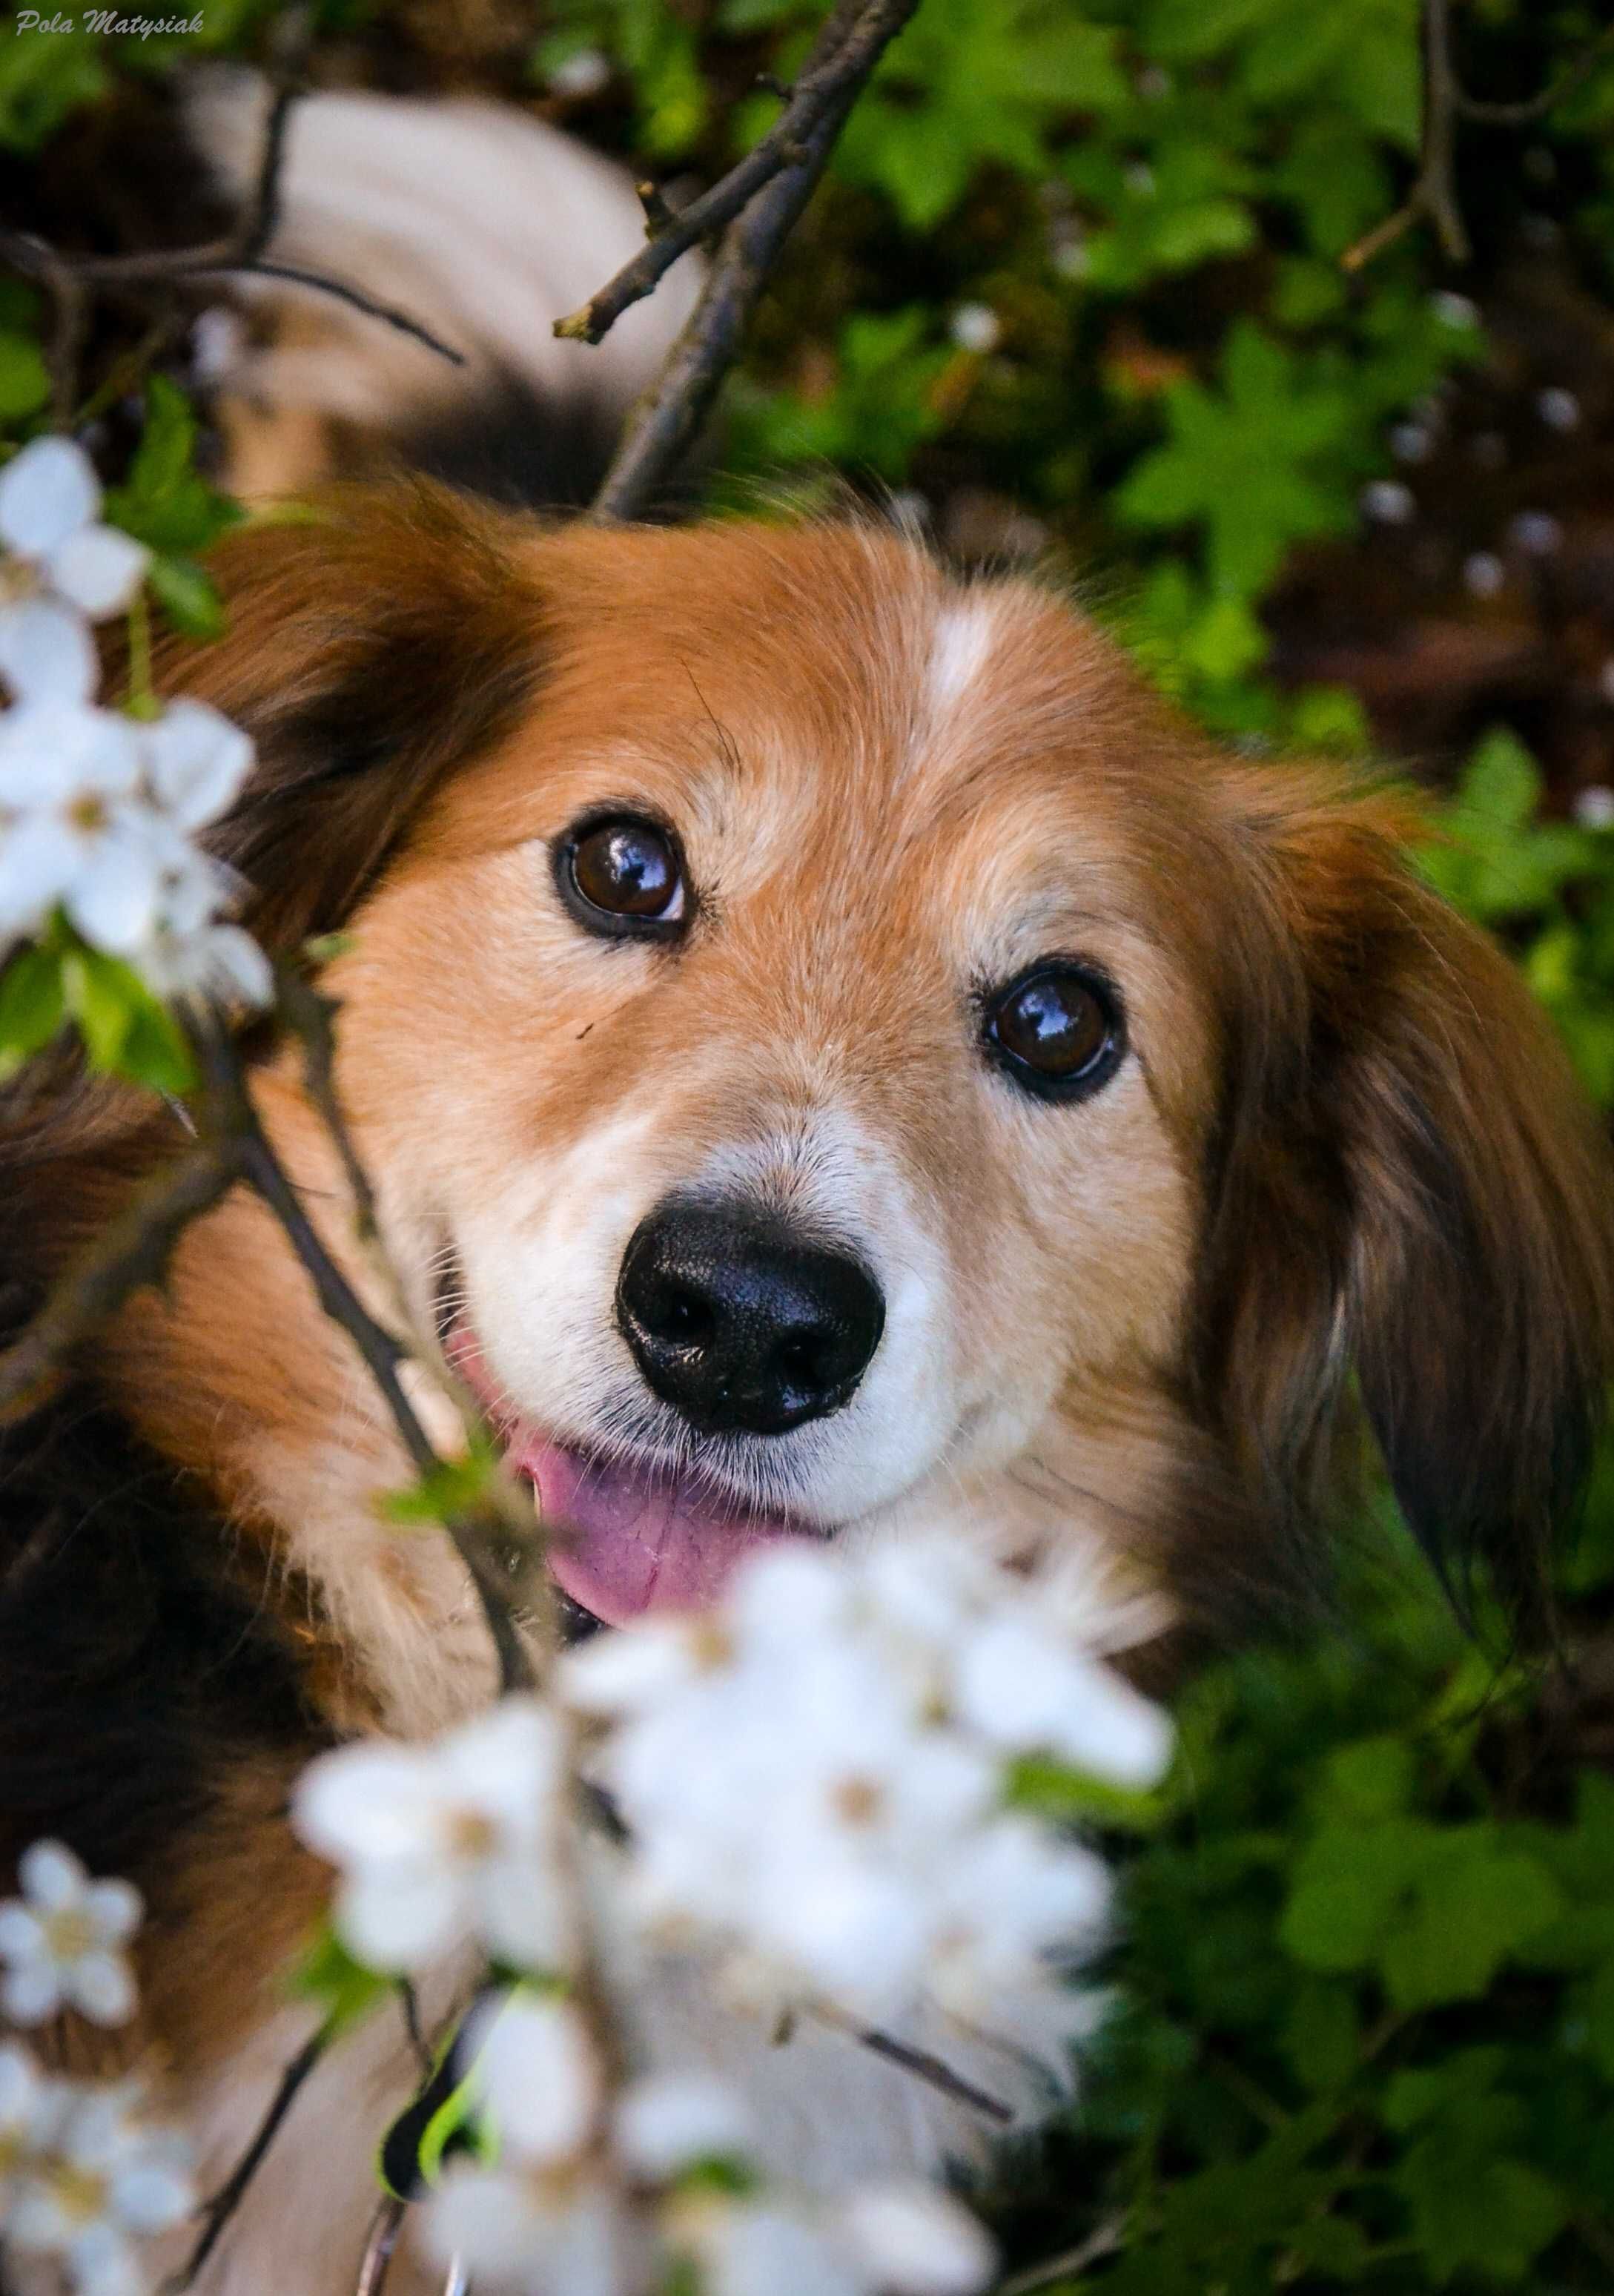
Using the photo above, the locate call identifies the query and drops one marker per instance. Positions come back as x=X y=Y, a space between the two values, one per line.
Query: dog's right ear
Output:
x=370 y=650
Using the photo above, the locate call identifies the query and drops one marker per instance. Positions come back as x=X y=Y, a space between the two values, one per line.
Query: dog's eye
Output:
x=1056 y=1030
x=621 y=876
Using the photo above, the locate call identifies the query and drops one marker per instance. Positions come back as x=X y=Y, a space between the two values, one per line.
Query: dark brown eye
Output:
x=623 y=876
x=1056 y=1030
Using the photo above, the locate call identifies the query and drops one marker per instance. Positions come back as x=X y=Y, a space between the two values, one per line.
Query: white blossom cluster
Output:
x=597 y=2197
x=86 y=2175
x=815 y=1776
x=98 y=809
x=816 y=1782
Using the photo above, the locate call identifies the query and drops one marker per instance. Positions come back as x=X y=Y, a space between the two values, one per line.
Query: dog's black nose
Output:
x=739 y=1324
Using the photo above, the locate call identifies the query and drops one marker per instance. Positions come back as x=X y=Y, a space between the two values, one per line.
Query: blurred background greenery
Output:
x=1074 y=291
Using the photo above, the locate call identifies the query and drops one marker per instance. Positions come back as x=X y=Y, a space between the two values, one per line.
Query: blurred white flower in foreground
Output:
x=435 y=1844
x=102 y=2180
x=885 y=2240
x=63 y=1940
x=545 y=2220
x=815 y=1775
x=63 y=568
x=26 y=2112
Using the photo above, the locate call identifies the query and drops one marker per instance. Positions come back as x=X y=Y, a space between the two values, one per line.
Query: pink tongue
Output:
x=625 y=1538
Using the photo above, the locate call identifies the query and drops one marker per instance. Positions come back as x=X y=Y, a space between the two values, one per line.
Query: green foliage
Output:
x=166 y=502
x=125 y=1031
x=343 y=1988
x=1548 y=884
x=1365 y=2035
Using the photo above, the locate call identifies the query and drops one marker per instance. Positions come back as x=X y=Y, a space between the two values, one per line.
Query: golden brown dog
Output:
x=833 y=1055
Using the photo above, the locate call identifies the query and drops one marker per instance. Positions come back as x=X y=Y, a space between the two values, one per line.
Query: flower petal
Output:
x=98 y=569
x=197 y=761
x=46 y=492
x=52 y=1875
x=31 y=1992
x=394 y=1921
x=47 y=653
x=115 y=1907
x=113 y=899
x=101 y=1984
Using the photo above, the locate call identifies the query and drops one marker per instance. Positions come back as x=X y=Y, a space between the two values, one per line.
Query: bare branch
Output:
x=72 y=282
x=1574 y=75
x=848 y=47
x=670 y=414
x=933 y=2070
x=1103 y=2242
x=1433 y=197
x=218 y=2212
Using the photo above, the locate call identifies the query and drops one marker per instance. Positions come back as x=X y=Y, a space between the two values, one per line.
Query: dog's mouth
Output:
x=626 y=1534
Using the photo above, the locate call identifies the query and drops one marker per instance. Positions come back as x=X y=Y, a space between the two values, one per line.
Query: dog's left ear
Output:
x=1410 y=1185
x=391 y=637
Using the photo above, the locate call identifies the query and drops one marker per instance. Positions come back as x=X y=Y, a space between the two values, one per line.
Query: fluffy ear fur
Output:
x=1410 y=1187
x=397 y=634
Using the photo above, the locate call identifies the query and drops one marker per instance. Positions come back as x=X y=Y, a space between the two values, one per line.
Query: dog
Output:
x=476 y=222
x=834 y=1054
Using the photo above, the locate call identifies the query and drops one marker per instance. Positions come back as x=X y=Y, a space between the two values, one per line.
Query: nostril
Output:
x=683 y=1315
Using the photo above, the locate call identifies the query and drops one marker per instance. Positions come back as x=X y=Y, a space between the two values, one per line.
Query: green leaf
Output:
x=188 y=596
x=973 y=80
x=32 y=1007
x=343 y=1988
x=1246 y=463
x=25 y=383
x=164 y=502
x=454 y=1487
x=126 y=1032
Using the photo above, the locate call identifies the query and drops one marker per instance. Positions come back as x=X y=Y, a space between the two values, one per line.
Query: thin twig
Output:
x=384 y=2228
x=1433 y=197
x=1574 y=75
x=72 y=282
x=133 y=1251
x=218 y=2212
x=479 y=1534
x=933 y=2070
x=670 y=414
x=848 y=47
x=1103 y=2242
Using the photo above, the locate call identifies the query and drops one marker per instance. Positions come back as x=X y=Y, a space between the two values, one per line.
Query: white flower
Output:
x=71 y=829
x=104 y=2179
x=539 y=2232
x=813 y=1777
x=26 y=2111
x=195 y=762
x=915 y=2240
x=62 y=567
x=669 y=2122
x=583 y=73
x=976 y=327
x=536 y=2076
x=63 y=1940
x=766 y=2248
x=1023 y=1688
x=441 y=1843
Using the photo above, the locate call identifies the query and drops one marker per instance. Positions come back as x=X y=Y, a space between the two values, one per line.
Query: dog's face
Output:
x=779 y=1045
x=822 y=1036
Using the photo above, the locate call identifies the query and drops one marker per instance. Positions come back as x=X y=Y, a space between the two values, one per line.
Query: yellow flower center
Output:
x=78 y=2193
x=70 y=1933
